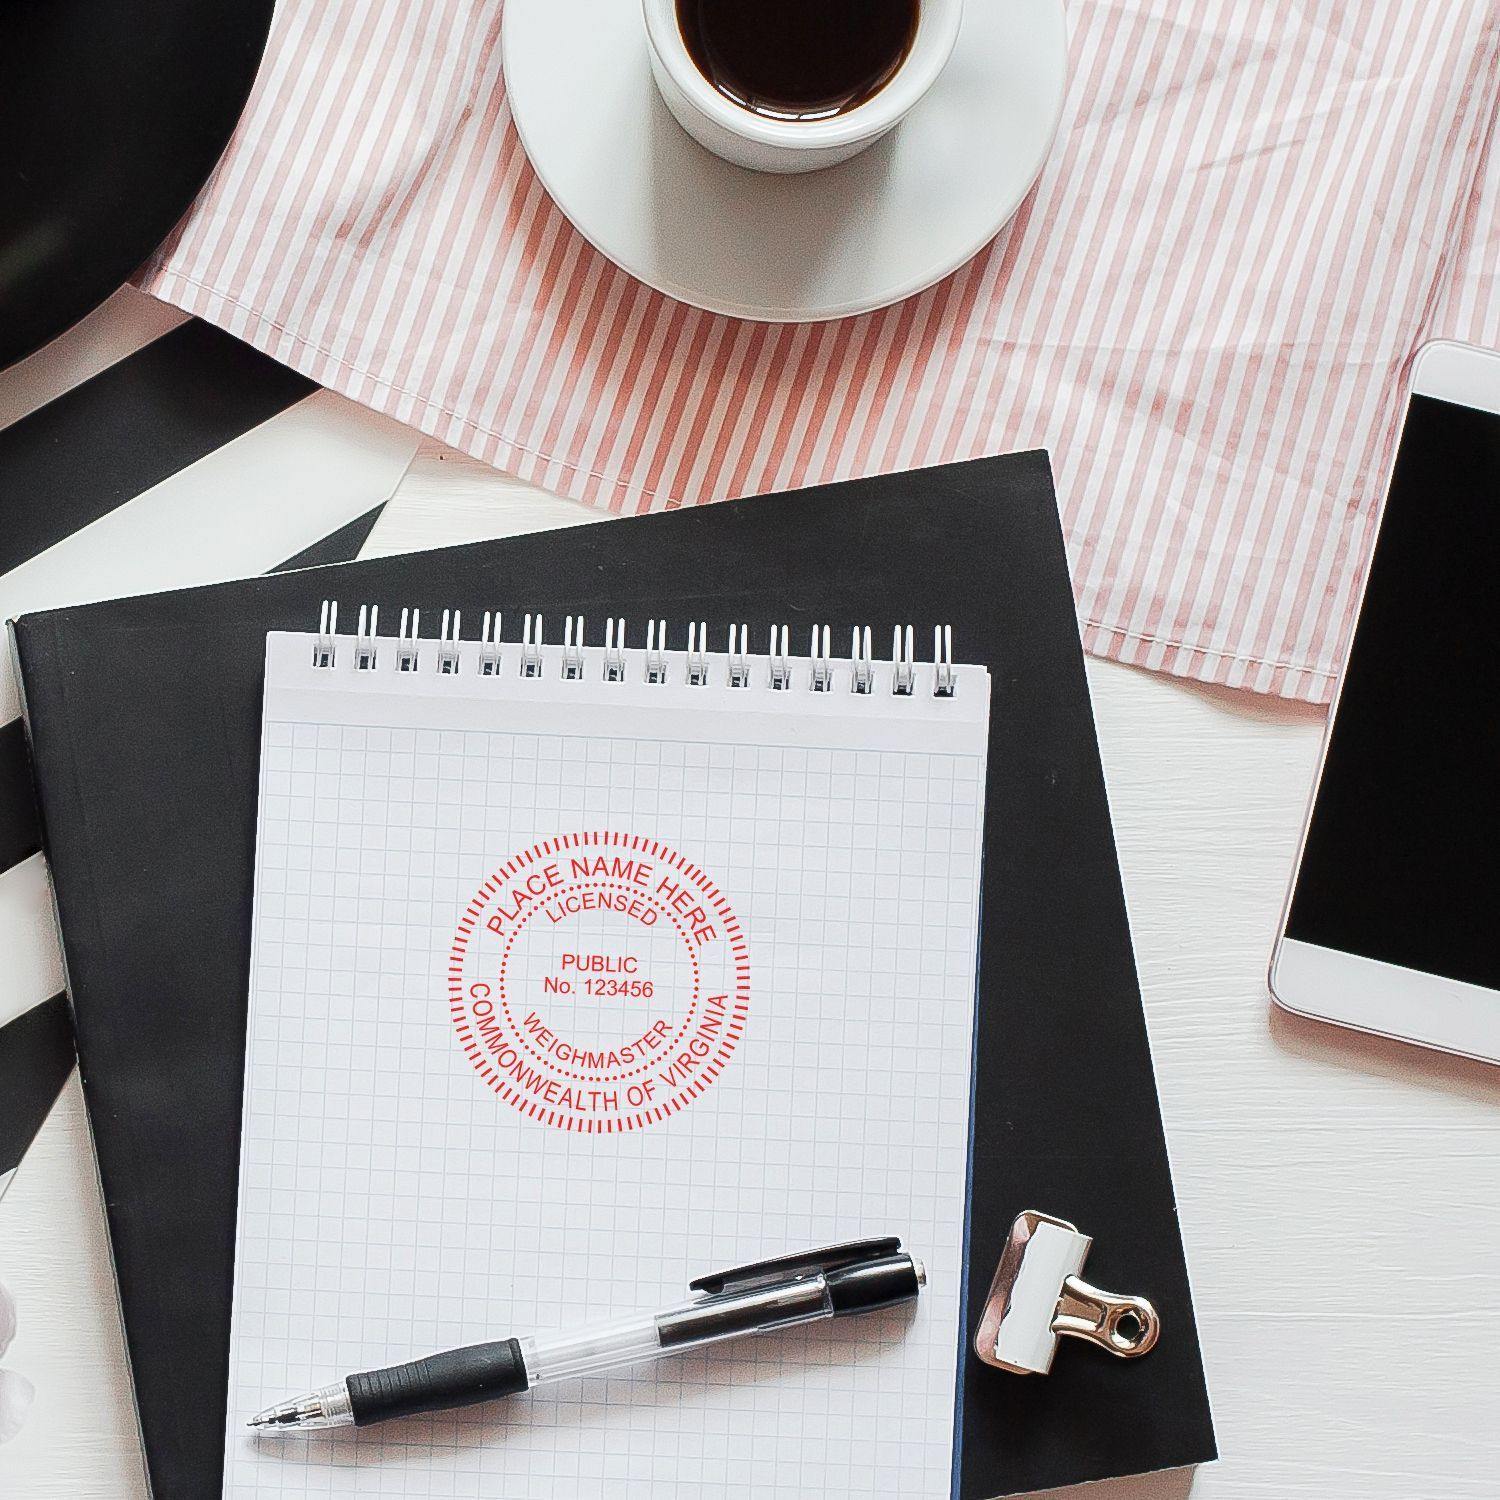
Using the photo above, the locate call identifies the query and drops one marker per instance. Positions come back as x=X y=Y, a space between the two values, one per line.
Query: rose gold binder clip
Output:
x=1037 y=1297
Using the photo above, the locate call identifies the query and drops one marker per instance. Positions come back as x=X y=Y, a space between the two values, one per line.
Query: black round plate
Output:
x=112 y=115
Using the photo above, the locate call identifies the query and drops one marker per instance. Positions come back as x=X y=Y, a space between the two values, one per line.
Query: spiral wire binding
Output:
x=489 y=645
x=614 y=649
x=572 y=660
x=325 y=643
x=780 y=658
x=656 y=648
x=531 y=646
x=819 y=652
x=449 y=659
x=697 y=654
x=739 y=656
x=366 y=640
x=945 y=682
x=862 y=665
x=905 y=673
x=406 y=641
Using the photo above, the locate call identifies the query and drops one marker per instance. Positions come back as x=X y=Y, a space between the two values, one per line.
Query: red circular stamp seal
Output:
x=599 y=982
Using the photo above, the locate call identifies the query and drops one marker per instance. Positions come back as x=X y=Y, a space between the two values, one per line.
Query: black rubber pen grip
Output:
x=457 y=1377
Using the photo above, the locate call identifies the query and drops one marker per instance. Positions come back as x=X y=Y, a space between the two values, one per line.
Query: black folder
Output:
x=144 y=714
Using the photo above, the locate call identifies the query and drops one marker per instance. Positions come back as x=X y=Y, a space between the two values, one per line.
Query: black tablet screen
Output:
x=1402 y=862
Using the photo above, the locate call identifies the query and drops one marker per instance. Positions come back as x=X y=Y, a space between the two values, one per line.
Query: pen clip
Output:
x=1038 y=1297
x=800 y=1263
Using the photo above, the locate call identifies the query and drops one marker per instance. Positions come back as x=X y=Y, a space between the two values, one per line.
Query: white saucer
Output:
x=796 y=249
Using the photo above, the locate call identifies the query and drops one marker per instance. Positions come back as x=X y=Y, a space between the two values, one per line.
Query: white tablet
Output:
x=1392 y=924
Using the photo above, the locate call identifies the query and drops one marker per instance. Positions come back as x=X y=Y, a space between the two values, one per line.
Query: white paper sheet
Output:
x=449 y=1139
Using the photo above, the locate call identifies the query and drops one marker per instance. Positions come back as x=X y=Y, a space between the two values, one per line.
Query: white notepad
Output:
x=566 y=990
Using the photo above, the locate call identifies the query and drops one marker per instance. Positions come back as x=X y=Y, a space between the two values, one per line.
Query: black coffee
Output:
x=798 y=59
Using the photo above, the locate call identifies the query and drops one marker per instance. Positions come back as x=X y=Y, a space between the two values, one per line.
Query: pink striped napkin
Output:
x=1256 y=211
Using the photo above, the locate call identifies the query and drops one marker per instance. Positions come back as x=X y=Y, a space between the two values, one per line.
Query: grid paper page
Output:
x=565 y=992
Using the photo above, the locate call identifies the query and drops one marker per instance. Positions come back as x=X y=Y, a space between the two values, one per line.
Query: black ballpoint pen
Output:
x=769 y=1295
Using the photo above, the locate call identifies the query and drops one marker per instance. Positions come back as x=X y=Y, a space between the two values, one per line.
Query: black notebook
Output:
x=145 y=716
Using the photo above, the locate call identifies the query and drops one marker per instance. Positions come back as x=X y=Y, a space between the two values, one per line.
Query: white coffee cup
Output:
x=751 y=140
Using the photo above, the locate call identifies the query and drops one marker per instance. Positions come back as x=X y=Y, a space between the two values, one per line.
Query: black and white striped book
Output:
x=144 y=451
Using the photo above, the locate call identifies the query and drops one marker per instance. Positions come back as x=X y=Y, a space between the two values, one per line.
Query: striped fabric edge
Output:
x=1296 y=681
x=545 y=470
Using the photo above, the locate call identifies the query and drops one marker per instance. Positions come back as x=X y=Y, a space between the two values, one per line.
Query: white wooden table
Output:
x=1340 y=1197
